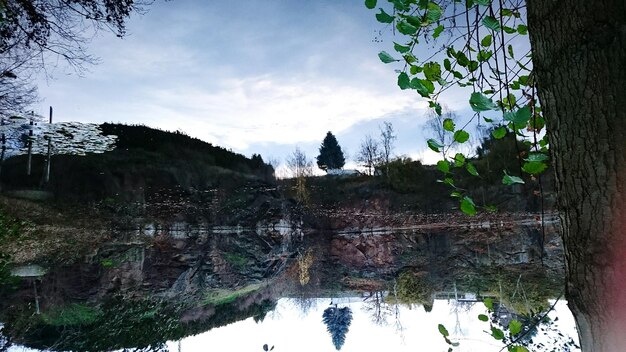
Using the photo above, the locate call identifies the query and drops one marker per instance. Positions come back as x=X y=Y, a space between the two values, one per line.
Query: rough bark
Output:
x=579 y=58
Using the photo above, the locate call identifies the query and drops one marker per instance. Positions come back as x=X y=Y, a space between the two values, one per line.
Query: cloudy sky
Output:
x=255 y=76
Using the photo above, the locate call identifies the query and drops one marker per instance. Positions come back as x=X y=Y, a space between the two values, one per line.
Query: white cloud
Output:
x=265 y=109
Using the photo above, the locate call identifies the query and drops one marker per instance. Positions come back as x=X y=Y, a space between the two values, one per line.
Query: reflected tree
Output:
x=375 y=305
x=337 y=322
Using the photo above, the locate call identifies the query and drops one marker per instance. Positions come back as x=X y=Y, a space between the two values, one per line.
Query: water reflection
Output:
x=272 y=285
x=288 y=329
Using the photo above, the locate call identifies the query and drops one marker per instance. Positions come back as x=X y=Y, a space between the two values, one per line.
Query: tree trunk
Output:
x=579 y=58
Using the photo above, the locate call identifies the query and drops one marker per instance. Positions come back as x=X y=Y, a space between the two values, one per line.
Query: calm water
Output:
x=237 y=289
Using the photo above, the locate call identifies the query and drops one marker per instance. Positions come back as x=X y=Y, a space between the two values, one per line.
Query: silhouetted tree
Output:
x=337 y=322
x=331 y=155
x=369 y=154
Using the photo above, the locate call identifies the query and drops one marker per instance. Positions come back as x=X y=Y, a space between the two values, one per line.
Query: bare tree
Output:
x=300 y=168
x=378 y=309
x=299 y=165
x=369 y=154
x=387 y=139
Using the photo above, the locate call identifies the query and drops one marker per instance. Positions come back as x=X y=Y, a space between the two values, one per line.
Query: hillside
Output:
x=150 y=173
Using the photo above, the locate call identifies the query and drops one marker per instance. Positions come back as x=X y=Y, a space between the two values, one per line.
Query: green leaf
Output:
x=459 y=160
x=468 y=206
x=499 y=132
x=497 y=333
x=510 y=50
x=370 y=4
x=508 y=29
x=483 y=2
x=442 y=330
x=384 y=17
x=509 y=102
x=434 y=145
x=480 y=102
x=429 y=85
x=472 y=66
x=486 y=41
x=523 y=80
x=434 y=12
x=386 y=58
x=461 y=136
x=534 y=167
x=418 y=85
x=484 y=55
x=537 y=123
x=520 y=117
x=414 y=69
x=509 y=180
x=437 y=108
x=403 y=81
x=448 y=181
x=405 y=28
x=437 y=31
x=448 y=125
x=413 y=20
x=447 y=65
x=515 y=327
x=462 y=59
x=399 y=5
x=483 y=317
x=536 y=157
x=518 y=349
x=401 y=48
x=443 y=166
x=432 y=71
x=491 y=23
x=455 y=194
x=507 y=12
x=471 y=169
x=409 y=58
x=488 y=303
x=522 y=29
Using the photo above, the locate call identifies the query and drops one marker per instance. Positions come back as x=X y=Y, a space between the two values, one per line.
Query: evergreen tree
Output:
x=331 y=156
x=337 y=322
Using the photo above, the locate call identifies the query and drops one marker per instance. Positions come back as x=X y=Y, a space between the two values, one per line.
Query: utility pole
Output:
x=4 y=144
x=48 y=161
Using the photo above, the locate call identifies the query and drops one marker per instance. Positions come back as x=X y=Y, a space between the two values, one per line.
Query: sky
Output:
x=253 y=76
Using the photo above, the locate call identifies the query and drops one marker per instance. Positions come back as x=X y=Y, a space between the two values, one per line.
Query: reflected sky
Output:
x=290 y=327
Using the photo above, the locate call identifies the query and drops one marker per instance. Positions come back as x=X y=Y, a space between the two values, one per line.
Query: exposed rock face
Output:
x=439 y=245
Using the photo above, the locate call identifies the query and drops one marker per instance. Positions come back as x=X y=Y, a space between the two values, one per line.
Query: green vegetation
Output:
x=237 y=260
x=415 y=288
x=73 y=314
x=219 y=297
x=10 y=230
